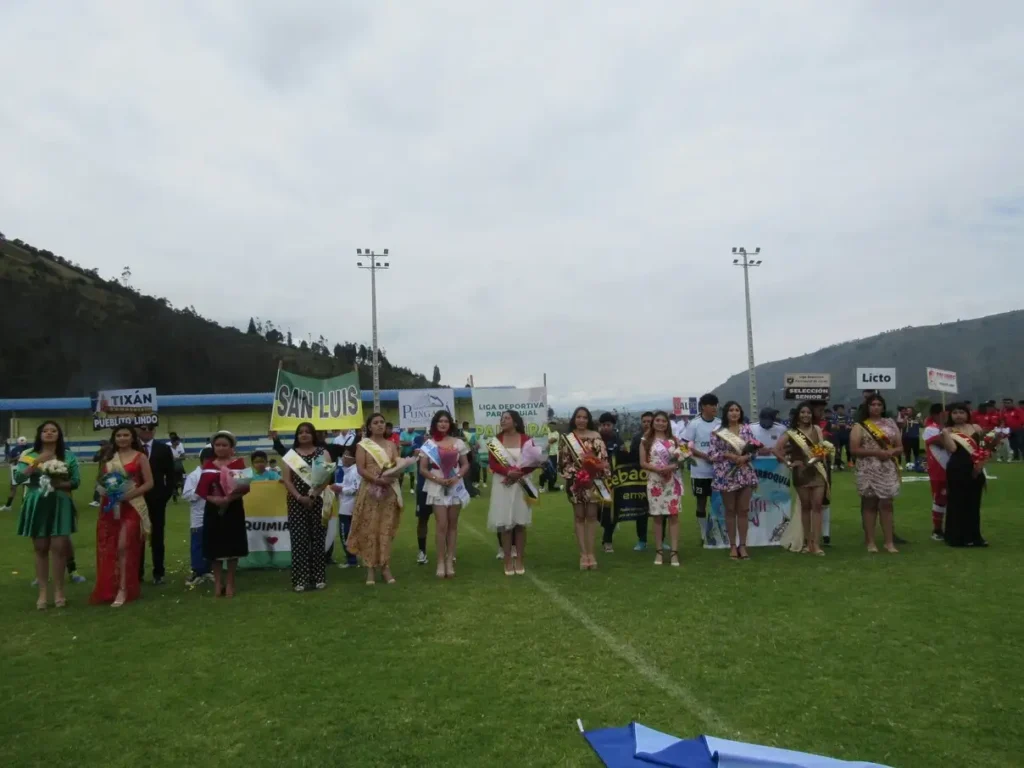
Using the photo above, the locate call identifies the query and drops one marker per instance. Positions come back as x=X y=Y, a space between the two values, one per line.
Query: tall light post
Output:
x=747 y=261
x=374 y=266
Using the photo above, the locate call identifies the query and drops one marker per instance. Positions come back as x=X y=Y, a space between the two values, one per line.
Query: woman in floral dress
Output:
x=876 y=445
x=581 y=489
x=734 y=478
x=659 y=456
x=378 y=507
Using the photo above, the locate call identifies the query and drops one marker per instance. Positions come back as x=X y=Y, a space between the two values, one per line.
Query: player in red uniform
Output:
x=938 y=456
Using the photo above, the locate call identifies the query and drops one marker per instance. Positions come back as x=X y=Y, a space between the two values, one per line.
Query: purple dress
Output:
x=726 y=479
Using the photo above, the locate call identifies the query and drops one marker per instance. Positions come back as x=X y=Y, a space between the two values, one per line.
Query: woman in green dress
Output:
x=47 y=511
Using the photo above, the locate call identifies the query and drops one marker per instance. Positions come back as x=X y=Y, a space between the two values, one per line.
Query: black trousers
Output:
x=911 y=447
x=641 y=529
x=158 y=519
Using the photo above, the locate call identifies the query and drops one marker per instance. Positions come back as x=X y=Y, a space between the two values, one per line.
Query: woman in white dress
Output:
x=443 y=464
x=510 y=514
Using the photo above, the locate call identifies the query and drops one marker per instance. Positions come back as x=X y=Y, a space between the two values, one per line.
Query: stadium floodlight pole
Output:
x=376 y=263
x=747 y=261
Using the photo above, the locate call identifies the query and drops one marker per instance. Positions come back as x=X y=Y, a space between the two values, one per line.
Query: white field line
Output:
x=712 y=722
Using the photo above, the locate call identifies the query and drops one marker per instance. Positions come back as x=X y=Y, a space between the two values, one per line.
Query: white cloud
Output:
x=559 y=184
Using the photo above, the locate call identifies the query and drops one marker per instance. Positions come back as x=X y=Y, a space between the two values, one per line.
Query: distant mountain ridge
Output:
x=986 y=353
x=103 y=334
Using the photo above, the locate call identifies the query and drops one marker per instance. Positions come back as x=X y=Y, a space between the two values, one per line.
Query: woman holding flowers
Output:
x=378 y=507
x=802 y=448
x=583 y=462
x=224 y=535
x=876 y=445
x=50 y=473
x=512 y=457
x=123 y=522
x=965 y=478
x=444 y=462
x=306 y=509
x=732 y=449
x=660 y=455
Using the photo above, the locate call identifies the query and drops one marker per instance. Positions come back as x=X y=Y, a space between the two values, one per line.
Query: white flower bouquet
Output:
x=53 y=471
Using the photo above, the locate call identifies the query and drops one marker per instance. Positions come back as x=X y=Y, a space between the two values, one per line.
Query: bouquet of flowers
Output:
x=682 y=453
x=322 y=472
x=53 y=471
x=232 y=480
x=979 y=456
x=991 y=440
x=819 y=452
x=113 y=486
x=590 y=469
x=749 y=449
x=530 y=457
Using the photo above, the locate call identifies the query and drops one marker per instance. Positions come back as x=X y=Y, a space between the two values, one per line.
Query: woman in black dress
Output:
x=305 y=511
x=964 y=481
x=224 y=535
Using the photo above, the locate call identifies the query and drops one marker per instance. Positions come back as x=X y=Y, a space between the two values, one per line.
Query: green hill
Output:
x=69 y=332
x=986 y=354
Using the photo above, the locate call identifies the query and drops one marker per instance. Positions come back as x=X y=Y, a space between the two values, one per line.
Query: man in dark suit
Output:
x=161 y=461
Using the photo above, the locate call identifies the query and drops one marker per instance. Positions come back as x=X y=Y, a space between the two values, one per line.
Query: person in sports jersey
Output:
x=698 y=434
x=841 y=424
x=938 y=458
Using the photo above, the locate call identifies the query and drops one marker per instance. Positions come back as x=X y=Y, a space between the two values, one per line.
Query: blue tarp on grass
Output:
x=637 y=746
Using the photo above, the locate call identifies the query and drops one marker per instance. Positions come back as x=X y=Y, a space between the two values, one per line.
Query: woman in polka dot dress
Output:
x=305 y=514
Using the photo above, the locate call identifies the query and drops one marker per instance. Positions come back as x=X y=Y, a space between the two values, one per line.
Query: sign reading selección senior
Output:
x=807 y=386
x=876 y=378
x=120 y=407
x=490 y=402
x=942 y=381
x=333 y=403
x=416 y=407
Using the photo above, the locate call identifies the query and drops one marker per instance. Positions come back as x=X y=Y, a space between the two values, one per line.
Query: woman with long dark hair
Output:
x=444 y=462
x=734 y=478
x=876 y=445
x=796 y=449
x=509 y=513
x=224 y=535
x=581 y=447
x=123 y=522
x=965 y=481
x=378 y=508
x=47 y=510
x=658 y=455
x=305 y=509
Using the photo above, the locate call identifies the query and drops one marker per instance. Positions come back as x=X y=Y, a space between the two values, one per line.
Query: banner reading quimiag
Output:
x=328 y=403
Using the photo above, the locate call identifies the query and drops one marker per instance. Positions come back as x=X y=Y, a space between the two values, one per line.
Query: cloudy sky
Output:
x=559 y=183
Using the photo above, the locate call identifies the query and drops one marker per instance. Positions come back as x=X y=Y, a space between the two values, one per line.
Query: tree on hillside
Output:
x=252 y=327
x=289 y=339
x=303 y=345
x=436 y=378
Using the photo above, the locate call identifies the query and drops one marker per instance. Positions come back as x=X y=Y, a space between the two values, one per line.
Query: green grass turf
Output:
x=909 y=660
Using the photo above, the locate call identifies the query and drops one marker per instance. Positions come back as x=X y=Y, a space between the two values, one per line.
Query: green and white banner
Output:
x=490 y=402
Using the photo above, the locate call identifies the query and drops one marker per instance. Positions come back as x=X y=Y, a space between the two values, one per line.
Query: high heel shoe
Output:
x=119 y=600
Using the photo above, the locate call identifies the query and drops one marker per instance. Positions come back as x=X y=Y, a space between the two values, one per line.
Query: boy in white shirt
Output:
x=698 y=434
x=197 y=505
x=346 y=490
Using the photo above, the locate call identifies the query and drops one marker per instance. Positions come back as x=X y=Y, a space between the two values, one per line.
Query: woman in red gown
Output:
x=122 y=524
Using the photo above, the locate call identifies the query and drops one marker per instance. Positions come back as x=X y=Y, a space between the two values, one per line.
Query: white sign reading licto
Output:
x=490 y=402
x=942 y=381
x=416 y=407
x=876 y=378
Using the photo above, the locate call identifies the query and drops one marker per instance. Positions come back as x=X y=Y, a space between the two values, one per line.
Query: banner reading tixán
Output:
x=327 y=403
x=124 y=407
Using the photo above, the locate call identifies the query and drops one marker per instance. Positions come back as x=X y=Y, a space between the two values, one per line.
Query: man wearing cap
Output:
x=768 y=430
x=13 y=454
x=161 y=461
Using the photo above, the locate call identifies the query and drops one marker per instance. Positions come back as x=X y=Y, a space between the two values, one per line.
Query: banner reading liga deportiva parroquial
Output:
x=118 y=407
x=490 y=402
x=328 y=403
